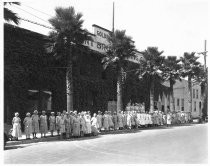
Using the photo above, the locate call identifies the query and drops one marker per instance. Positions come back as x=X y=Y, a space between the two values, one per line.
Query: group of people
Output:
x=79 y=124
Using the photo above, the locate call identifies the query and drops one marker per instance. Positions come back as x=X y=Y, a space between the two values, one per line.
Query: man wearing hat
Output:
x=35 y=123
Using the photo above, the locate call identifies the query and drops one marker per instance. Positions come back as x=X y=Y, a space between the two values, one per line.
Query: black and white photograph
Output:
x=104 y=81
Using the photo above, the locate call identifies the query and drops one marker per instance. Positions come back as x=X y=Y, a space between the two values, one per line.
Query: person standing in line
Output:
x=110 y=121
x=125 y=120
x=35 y=123
x=82 y=125
x=164 y=119
x=16 y=132
x=28 y=125
x=129 y=120
x=57 y=122
x=88 y=123
x=62 y=126
x=105 y=121
x=76 y=125
x=52 y=121
x=94 y=121
x=115 y=121
x=168 y=119
x=99 y=120
x=43 y=124
x=64 y=114
x=68 y=125
x=120 y=120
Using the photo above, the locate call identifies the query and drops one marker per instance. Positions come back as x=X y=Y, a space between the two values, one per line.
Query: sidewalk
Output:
x=23 y=140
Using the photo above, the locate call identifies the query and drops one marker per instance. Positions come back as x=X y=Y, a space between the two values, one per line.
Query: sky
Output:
x=174 y=26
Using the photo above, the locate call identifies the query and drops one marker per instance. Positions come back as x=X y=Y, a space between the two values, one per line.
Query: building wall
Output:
x=181 y=93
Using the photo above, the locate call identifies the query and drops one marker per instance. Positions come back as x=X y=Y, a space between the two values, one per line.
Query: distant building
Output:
x=181 y=94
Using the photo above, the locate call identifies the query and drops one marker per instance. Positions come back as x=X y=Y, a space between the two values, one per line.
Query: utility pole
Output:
x=113 y=19
x=205 y=55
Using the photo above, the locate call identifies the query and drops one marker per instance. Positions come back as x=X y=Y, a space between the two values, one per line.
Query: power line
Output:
x=32 y=14
x=38 y=10
x=33 y=22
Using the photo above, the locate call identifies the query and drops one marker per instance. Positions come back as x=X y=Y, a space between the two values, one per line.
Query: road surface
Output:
x=177 y=145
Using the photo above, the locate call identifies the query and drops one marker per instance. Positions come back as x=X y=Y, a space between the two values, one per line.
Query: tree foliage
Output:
x=9 y=15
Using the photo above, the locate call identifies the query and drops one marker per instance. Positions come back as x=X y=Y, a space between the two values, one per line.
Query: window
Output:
x=182 y=104
x=196 y=93
x=194 y=106
x=193 y=93
x=177 y=102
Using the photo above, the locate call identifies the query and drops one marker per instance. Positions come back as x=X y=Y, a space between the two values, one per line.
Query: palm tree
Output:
x=10 y=15
x=171 y=74
x=120 y=49
x=150 y=66
x=68 y=35
x=190 y=68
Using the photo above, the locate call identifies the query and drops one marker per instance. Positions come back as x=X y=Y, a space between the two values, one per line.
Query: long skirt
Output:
x=16 y=132
x=28 y=129
x=88 y=128
x=52 y=126
x=35 y=127
x=62 y=129
x=76 y=129
x=43 y=128
x=106 y=124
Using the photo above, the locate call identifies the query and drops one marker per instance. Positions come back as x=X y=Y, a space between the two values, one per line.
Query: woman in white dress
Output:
x=16 y=132
x=88 y=123
x=168 y=118
x=28 y=125
x=94 y=121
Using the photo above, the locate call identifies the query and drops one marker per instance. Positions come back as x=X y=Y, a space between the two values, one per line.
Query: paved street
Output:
x=184 y=144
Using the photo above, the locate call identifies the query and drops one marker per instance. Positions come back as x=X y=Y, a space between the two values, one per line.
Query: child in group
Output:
x=52 y=123
x=43 y=124
x=28 y=125
x=57 y=121
x=16 y=132
x=62 y=126
x=35 y=123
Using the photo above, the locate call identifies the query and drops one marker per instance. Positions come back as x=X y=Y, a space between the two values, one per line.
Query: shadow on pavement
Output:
x=13 y=147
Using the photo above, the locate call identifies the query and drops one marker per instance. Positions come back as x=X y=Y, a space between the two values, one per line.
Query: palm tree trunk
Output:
x=152 y=96
x=119 y=91
x=69 y=84
x=189 y=94
x=172 y=97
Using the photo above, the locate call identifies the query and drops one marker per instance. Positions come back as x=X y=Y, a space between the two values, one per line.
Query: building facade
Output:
x=181 y=94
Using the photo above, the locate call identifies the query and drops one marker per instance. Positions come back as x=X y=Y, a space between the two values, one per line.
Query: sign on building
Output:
x=101 y=44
